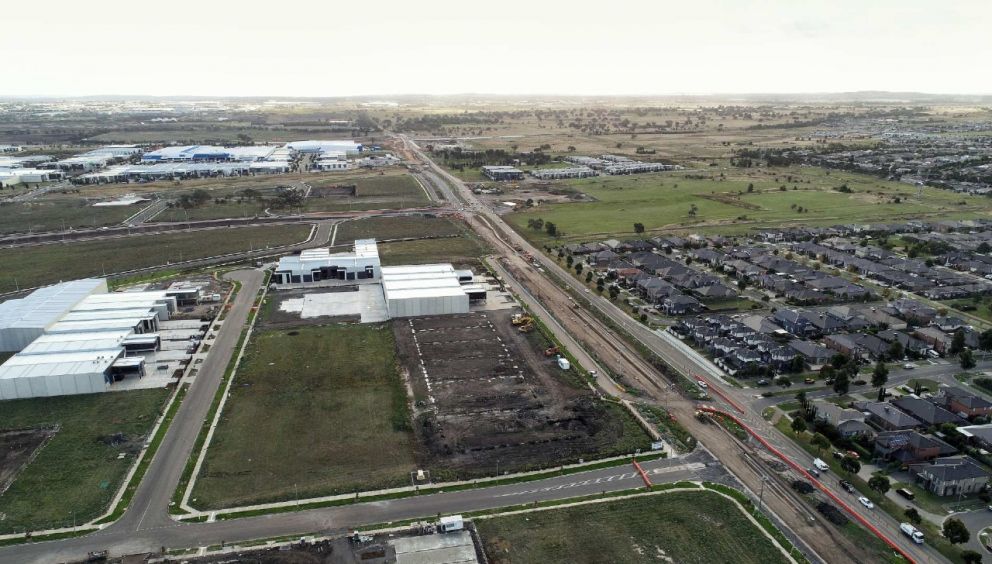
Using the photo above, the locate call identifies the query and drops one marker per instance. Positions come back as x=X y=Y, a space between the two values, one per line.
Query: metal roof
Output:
x=45 y=306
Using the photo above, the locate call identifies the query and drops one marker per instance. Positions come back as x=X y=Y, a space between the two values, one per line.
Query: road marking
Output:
x=692 y=466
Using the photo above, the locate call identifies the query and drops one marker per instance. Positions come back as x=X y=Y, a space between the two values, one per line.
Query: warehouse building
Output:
x=77 y=338
x=428 y=289
x=493 y=172
x=314 y=265
x=325 y=146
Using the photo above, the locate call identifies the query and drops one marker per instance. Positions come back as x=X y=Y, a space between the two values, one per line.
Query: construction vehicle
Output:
x=521 y=319
x=551 y=351
x=527 y=327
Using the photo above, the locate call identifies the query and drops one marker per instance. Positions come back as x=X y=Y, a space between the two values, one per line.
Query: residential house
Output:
x=937 y=339
x=794 y=322
x=926 y=412
x=978 y=435
x=680 y=304
x=909 y=447
x=848 y=422
x=814 y=354
x=847 y=345
x=962 y=402
x=886 y=417
x=954 y=475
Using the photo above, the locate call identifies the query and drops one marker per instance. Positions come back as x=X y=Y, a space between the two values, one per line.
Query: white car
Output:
x=702 y=384
x=909 y=366
x=866 y=502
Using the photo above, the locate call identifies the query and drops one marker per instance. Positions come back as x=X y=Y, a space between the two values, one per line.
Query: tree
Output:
x=896 y=351
x=841 y=383
x=985 y=340
x=955 y=531
x=820 y=442
x=880 y=484
x=578 y=268
x=638 y=228
x=957 y=343
x=535 y=224
x=614 y=291
x=971 y=557
x=850 y=465
x=589 y=276
x=693 y=208
x=913 y=516
x=798 y=425
x=880 y=375
x=551 y=228
x=569 y=260
x=967 y=359
x=984 y=247
x=750 y=188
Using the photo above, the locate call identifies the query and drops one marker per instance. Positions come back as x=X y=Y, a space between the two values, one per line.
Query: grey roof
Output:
x=951 y=469
x=890 y=415
x=926 y=411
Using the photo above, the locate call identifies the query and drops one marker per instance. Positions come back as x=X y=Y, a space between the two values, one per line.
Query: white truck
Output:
x=820 y=465
x=450 y=524
x=911 y=532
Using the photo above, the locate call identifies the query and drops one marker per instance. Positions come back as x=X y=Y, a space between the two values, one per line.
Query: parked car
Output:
x=838 y=454
x=847 y=486
x=813 y=471
x=909 y=366
x=762 y=382
x=866 y=502
x=702 y=384
x=906 y=493
x=810 y=380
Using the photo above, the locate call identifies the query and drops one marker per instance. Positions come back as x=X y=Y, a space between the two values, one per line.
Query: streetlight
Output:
x=761 y=495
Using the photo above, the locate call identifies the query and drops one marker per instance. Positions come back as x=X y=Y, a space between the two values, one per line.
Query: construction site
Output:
x=492 y=396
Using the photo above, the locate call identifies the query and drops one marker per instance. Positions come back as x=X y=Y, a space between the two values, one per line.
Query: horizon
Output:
x=702 y=48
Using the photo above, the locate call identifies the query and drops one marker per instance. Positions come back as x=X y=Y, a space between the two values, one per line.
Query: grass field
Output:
x=460 y=250
x=674 y=527
x=396 y=228
x=46 y=264
x=662 y=202
x=54 y=214
x=318 y=412
x=77 y=473
x=394 y=190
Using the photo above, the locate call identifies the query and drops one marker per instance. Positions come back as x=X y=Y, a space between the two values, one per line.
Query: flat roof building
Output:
x=75 y=338
x=314 y=265
x=501 y=172
x=427 y=289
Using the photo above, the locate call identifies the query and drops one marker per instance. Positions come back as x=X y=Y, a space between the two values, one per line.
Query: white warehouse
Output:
x=427 y=289
x=76 y=338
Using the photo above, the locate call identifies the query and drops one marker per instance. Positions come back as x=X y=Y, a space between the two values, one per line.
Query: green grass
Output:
x=655 y=201
x=462 y=250
x=75 y=474
x=930 y=385
x=146 y=460
x=684 y=526
x=55 y=214
x=980 y=307
x=387 y=191
x=382 y=228
x=46 y=264
x=321 y=412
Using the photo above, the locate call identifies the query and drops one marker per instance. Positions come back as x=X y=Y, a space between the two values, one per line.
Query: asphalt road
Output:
x=152 y=529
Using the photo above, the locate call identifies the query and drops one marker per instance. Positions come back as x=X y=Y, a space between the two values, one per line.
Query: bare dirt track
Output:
x=487 y=397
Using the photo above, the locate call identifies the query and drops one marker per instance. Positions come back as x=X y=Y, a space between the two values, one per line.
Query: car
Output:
x=847 y=486
x=762 y=382
x=702 y=384
x=810 y=380
x=866 y=502
x=909 y=366
x=838 y=454
x=853 y=455
x=813 y=471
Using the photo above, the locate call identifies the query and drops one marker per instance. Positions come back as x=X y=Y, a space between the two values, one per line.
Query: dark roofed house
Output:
x=954 y=475
x=934 y=337
x=927 y=412
x=680 y=304
x=960 y=401
x=813 y=353
x=603 y=258
x=848 y=422
x=909 y=447
x=715 y=291
x=887 y=418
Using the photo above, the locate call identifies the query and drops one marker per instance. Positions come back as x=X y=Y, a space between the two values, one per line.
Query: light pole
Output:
x=761 y=494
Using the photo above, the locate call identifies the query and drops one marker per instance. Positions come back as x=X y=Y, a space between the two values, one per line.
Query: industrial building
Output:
x=15 y=176
x=560 y=173
x=325 y=146
x=314 y=265
x=426 y=289
x=211 y=153
x=78 y=338
x=97 y=158
x=500 y=172
x=180 y=170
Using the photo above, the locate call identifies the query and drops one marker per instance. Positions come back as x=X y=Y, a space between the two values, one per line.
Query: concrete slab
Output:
x=367 y=302
x=448 y=548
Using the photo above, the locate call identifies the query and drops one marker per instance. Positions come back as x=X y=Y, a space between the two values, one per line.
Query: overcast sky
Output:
x=339 y=47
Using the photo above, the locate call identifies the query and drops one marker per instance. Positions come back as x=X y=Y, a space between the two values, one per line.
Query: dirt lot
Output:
x=486 y=397
x=16 y=449
x=275 y=318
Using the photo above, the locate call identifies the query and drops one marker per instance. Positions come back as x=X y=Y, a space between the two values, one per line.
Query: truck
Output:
x=820 y=465
x=450 y=524
x=911 y=532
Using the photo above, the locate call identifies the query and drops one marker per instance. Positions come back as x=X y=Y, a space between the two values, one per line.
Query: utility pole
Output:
x=761 y=495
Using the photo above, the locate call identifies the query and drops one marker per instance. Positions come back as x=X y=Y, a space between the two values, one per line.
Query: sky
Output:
x=551 y=47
